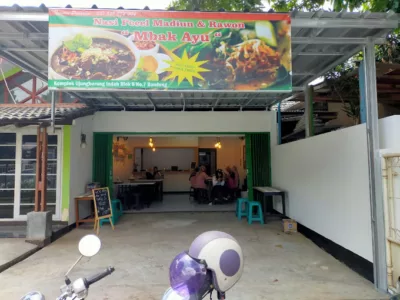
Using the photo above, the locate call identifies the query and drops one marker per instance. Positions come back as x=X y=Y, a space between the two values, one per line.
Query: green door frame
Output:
x=249 y=167
x=108 y=164
x=249 y=159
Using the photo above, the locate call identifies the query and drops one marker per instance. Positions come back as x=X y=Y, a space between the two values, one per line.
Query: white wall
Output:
x=389 y=137
x=231 y=153
x=125 y=121
x=81 y=165
x=122 y=169
x=165 y=158
x=326 y=179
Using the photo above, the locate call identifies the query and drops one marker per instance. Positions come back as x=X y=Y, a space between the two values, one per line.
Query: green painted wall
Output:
x=10 y=72
x=66 y=173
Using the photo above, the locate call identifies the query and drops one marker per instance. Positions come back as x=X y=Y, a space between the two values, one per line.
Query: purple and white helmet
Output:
x=214 y=260
x=223 y=256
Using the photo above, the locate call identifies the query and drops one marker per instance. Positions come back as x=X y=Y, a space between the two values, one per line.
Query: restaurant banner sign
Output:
x=165 y=50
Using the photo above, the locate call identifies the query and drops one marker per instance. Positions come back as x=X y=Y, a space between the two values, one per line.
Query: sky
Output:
x=152 y=4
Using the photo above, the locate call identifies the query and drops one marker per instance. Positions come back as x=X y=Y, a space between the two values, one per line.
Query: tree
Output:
x=215 y=5
x=367 y=5
x=344 y=86
x=337 y=5
x=290 y=5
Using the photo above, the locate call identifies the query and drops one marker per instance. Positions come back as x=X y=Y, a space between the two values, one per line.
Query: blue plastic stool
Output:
x=259 y=214
x=240 y=212
x=117 y=207
x=117 y=212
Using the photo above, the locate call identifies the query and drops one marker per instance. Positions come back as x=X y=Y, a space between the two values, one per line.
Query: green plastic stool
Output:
x=259 y=214
x=240 y=212
x=117 y=212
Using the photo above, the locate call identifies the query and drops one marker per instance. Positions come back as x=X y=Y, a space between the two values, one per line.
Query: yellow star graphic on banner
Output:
x=185 y=68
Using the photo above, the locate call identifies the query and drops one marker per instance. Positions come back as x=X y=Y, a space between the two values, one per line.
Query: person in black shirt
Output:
x=156 y=173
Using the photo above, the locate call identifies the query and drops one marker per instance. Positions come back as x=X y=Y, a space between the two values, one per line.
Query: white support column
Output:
x=375 y=172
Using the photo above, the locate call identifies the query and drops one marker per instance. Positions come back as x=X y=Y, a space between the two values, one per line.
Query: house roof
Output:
x=388 y=87
x=320 y=41
x=34 y=114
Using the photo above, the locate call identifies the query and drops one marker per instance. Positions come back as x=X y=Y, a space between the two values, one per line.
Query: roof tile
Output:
x=16 y=113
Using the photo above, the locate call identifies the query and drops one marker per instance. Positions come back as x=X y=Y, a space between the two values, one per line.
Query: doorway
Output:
x=208 y=158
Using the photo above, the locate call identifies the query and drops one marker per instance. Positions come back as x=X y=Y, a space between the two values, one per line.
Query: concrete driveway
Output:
x=277 y=266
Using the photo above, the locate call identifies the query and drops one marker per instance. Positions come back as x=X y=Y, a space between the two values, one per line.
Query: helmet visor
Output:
x=187 y=276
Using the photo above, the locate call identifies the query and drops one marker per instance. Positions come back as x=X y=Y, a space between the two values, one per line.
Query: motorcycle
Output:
x=191 y=278
x=89 y=246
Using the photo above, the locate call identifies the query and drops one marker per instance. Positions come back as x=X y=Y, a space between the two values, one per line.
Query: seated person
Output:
x=149 y=174
x=192 y=177
x=230 y=177
x=219 y=179
x=201 y=177
x=231 y=182
x=156 y=174
x=237 y=178
x=237 y=181
x=200 y=181
x=219 y=191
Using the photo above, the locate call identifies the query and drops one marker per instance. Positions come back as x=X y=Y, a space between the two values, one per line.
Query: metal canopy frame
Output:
x=320 y=41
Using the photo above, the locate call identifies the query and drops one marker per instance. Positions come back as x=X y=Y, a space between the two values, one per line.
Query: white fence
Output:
x=391 y=195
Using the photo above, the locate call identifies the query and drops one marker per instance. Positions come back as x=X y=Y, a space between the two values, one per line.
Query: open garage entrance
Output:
x=177 y=158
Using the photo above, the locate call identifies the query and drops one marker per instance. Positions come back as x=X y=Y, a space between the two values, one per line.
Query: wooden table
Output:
x=269 y=192
x=86 y=197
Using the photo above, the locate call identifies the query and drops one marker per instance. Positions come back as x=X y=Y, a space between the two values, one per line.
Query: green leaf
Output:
x=79 y=43
x=215 y=5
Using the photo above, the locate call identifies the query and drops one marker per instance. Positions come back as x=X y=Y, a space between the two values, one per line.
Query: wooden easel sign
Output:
x=102 y=207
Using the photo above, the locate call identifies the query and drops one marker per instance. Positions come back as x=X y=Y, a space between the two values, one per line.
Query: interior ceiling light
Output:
x=218 y=144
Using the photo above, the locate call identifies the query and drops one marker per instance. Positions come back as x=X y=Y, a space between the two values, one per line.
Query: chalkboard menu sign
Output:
x=102 y=203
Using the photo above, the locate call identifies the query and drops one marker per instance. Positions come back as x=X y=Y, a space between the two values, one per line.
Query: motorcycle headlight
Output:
x=33 y=296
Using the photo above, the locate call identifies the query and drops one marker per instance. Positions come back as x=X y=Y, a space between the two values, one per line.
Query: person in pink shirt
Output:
x=230 y=177
x=192 y=178
x=201 y=177
x=237 y=179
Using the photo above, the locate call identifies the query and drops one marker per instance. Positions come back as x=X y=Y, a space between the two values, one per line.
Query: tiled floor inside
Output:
x=181 y=203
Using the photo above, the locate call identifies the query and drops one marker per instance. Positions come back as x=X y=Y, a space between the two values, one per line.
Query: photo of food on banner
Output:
x=256 y=55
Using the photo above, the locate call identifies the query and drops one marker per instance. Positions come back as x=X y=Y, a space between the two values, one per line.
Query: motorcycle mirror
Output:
x=170 y=294
x=89 y=245
x=33 y=296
